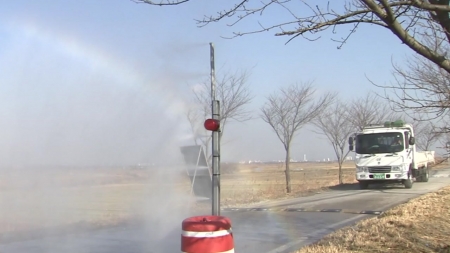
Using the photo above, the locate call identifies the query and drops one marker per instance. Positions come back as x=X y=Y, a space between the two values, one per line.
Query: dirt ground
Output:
x=421 y=225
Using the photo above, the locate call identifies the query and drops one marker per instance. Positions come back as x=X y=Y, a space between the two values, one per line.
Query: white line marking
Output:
x=206 y=234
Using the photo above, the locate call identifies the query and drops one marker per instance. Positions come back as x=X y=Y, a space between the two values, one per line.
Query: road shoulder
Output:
x=420 y=225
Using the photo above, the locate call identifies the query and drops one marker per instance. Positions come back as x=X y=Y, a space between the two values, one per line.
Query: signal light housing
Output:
x=212 y=124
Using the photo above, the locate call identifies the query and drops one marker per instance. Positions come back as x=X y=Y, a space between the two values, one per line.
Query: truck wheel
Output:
x=408 y=183
x=425 y=176
x=363 y=185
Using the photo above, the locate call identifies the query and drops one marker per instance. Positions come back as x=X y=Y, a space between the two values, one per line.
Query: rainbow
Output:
x=101 y=61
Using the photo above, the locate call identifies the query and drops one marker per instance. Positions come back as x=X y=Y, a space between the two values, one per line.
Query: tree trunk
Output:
x=341 y=180
x=287 y=171
x=341 y=159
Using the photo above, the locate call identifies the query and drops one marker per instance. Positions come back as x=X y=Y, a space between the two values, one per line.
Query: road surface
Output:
x=274 y=226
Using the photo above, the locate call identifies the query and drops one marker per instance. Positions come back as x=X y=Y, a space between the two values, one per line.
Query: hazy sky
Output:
x=106 y=81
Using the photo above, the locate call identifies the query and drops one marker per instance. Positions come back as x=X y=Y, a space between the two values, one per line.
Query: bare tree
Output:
x=196 y=116
x=411 y=21
x=375 y=110
x=426 y=134
x=422 y=25
x=336 y=125
x=289 y=110
x=421 y=89
x=444 y=141
x=369 y=109
x=232 y=90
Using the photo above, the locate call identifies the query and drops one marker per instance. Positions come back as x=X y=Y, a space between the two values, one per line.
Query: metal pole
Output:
x=213 y=75
x=215 y=109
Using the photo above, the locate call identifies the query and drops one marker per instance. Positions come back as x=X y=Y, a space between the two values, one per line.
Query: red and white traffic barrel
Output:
x=207 y=234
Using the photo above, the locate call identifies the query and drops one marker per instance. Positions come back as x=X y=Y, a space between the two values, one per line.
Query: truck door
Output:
x=408 y=148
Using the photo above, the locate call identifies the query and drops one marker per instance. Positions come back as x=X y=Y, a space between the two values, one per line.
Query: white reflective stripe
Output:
x=229 y=251
x=206 y=234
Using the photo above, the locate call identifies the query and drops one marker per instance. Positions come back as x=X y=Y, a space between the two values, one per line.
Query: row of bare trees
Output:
x=292 y=107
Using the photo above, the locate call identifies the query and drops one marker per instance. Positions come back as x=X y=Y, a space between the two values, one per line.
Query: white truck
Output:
x=387 y=153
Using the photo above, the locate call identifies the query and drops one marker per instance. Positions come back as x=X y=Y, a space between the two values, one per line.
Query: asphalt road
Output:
x=275 y=226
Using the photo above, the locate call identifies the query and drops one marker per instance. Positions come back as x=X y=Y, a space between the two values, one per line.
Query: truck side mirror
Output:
x=412 y=140
x=350 y=143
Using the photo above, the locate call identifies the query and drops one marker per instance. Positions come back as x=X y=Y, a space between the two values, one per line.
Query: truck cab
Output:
x=387 y=154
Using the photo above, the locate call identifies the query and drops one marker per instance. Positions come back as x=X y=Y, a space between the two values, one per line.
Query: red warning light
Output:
x=212 y=124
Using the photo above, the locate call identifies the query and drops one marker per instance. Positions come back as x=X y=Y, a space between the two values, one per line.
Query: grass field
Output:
x=258 y=182
x=59 y=199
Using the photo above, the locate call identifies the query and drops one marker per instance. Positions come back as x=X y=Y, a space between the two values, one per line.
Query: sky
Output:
x=107 y=82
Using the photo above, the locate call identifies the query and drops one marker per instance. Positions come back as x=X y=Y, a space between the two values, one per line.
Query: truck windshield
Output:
x=379 y=143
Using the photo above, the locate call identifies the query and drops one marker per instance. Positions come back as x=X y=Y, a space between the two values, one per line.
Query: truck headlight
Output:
x=361 y=169
x=396 y=168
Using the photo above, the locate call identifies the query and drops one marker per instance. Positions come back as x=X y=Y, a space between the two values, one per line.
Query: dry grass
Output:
x=421 y=225
x=23 y=211
x=255 y=183
x=33 y=203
